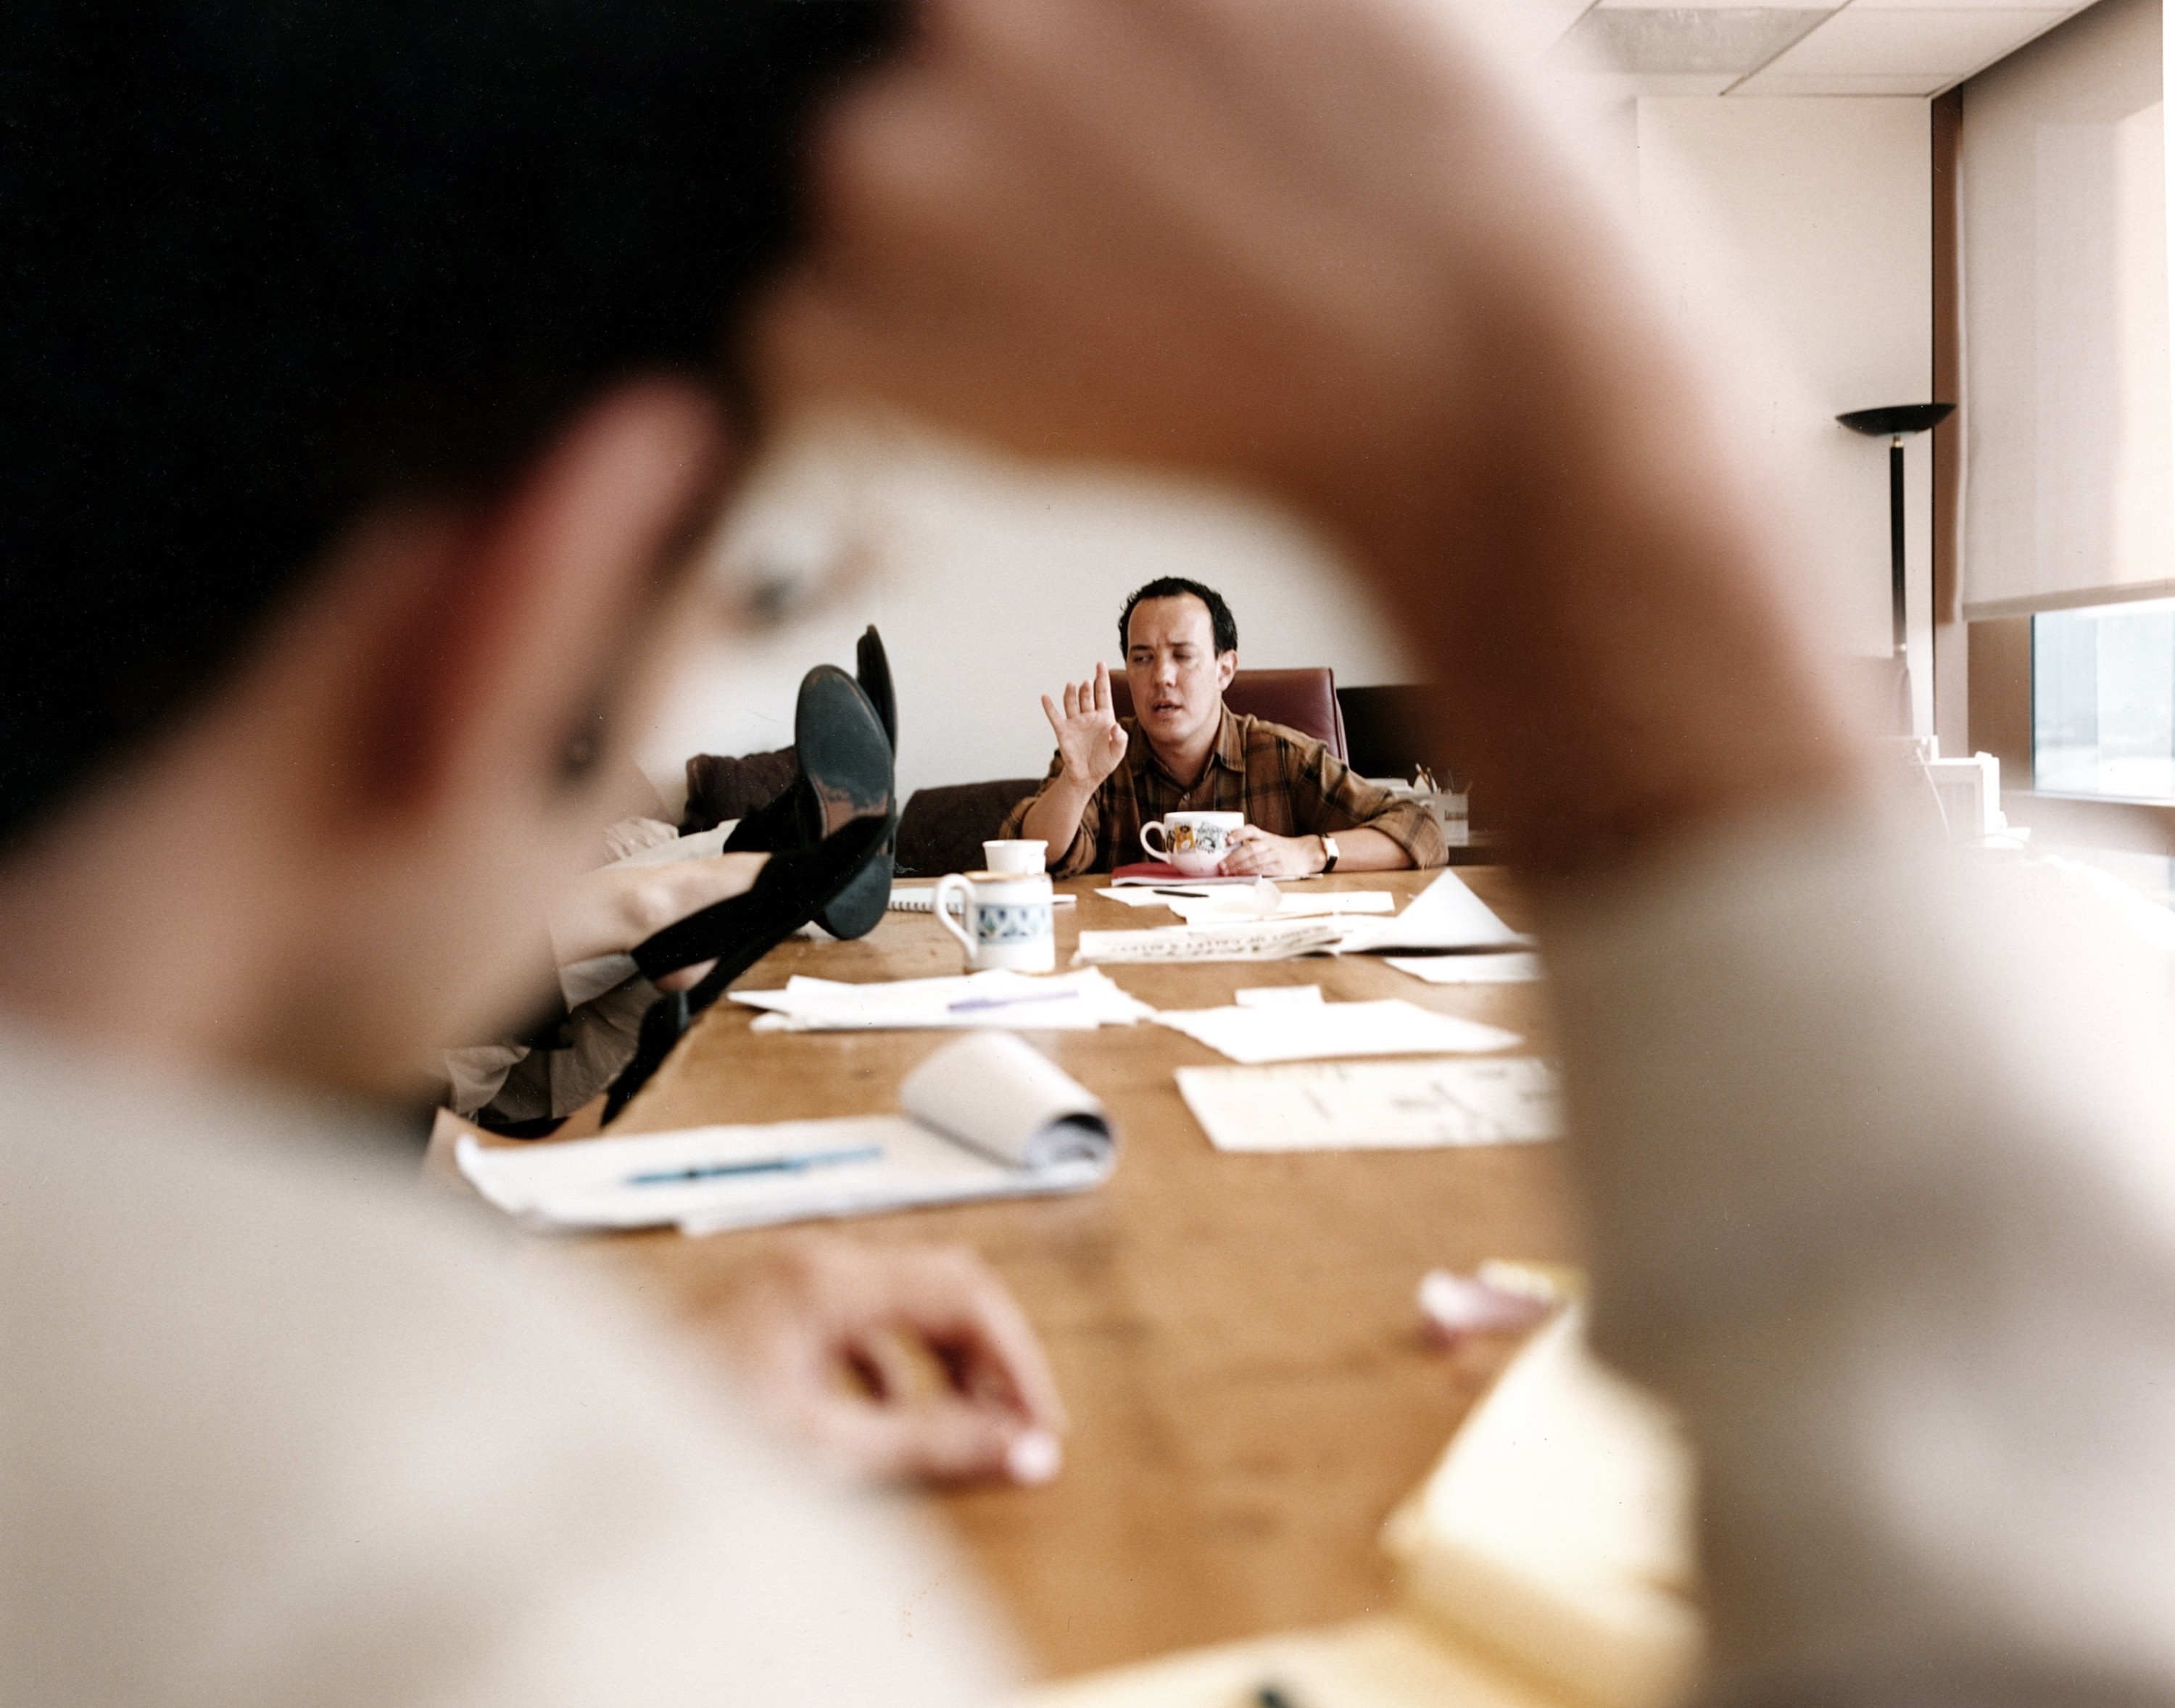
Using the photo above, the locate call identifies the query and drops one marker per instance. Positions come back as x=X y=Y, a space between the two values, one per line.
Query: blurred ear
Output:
x=506 y=646
x=1227 y=666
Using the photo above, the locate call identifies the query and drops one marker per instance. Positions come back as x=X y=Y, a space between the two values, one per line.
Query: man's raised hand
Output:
x=1088 y=737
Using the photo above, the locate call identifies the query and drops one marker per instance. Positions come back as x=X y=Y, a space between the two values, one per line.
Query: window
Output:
x=2069 y=496
x=2103 y=701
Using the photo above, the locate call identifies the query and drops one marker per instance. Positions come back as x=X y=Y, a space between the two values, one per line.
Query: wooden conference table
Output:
x=1235 y=1336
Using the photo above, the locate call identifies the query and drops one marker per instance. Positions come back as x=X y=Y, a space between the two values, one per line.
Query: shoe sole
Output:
x=844 y=754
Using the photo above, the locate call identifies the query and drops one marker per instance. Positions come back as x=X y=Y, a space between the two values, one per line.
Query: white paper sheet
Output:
x=1390 y=1105
x=921 y=898
x=1277 y=996
x=1247 y=904
x=1178 y=877
x=1518 y=968
x=1015 y=1001
x=1307 y=1032
x=1242 y=902
x=1139 y=897
x=1257 y=940
x=1446 y=915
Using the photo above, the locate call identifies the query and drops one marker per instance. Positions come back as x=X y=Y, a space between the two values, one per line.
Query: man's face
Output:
x=1177 y=676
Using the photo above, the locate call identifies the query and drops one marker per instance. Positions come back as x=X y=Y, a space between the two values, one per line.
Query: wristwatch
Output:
x=1329 y=848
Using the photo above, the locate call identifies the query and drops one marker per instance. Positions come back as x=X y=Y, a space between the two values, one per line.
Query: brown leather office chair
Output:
x=1303 y=700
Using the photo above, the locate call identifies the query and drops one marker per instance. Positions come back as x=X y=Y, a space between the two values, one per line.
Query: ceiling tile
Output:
x=1949 y=42
x=1684 y=40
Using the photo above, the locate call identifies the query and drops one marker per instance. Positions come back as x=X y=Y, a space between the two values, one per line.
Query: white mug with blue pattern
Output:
x=1005 y=919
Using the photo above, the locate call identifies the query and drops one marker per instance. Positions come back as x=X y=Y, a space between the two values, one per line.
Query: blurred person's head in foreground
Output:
x=367 y=378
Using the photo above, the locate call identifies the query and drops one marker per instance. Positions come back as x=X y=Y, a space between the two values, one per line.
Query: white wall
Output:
x=1796 y=235
x=992 y=581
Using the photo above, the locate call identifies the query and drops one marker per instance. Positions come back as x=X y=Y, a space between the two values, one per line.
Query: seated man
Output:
x=1184 y=751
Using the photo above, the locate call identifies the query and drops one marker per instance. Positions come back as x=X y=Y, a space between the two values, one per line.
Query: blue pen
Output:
x=766 y=1165
x=970 y=1004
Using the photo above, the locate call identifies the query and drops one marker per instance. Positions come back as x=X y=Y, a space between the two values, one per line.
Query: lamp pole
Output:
x=1896 y=423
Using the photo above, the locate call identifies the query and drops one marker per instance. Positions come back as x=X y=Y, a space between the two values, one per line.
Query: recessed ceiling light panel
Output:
x=1684 y=39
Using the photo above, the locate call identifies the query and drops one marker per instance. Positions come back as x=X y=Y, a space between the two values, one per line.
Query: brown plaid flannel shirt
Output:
x=1287 y=784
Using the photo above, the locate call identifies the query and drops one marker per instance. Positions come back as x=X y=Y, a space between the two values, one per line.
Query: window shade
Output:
x=2069 y=481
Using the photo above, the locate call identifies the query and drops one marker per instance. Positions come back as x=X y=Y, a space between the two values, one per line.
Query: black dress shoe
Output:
x=843 y=749
x=792 y=889
x=872 y=670
x=860 y=905
x=843 y=757
x=843 y=752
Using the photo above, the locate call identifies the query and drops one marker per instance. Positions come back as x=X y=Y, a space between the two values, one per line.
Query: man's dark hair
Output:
x=265 y=262
x=1221 y=623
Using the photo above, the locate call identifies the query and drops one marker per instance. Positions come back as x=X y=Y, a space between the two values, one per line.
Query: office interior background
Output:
x=1847 y=206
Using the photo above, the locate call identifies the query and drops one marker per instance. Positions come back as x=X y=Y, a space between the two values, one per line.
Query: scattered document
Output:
x=1277 y=996
x=1145 y=896
x=1016 y=1001
x=1374 y=1105
x=1519 y=967
x=1445 y=916
x=1219 y=905
x=921 y=898
x=1256 y=939
x=1237 y=924
x=1293 y=1032
x=984 y=1117
x=1259 y=900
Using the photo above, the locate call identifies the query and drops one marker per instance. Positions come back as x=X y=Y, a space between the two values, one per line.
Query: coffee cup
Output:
x=1195 y=842
x=1005 y=919
x=1014 y=856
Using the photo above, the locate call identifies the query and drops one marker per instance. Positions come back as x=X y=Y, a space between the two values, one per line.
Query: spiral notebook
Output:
x=987 y=1117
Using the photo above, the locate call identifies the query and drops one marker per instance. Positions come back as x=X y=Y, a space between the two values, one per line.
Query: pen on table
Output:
x=793 y=1164
x=1197 y=895
x=970 y=1004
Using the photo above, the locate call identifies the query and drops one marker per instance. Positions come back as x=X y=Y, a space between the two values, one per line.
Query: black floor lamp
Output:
x=1895 y=424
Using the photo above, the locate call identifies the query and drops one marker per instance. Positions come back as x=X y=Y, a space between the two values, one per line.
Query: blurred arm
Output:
x=1880 y=1197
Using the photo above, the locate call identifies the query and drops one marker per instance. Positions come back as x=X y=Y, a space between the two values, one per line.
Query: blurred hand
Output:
x=896 y=1362
x=1331 y=249
x=1273 y=237
x=1089 y=739
x=1256 y=853
x=608 y=912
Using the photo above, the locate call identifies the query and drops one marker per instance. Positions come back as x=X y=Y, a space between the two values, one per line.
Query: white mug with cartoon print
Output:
x=1005 y=919
x=1195 y=842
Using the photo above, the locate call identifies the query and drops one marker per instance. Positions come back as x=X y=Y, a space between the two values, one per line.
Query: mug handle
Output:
x=1156 y=825
x=946 y=886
